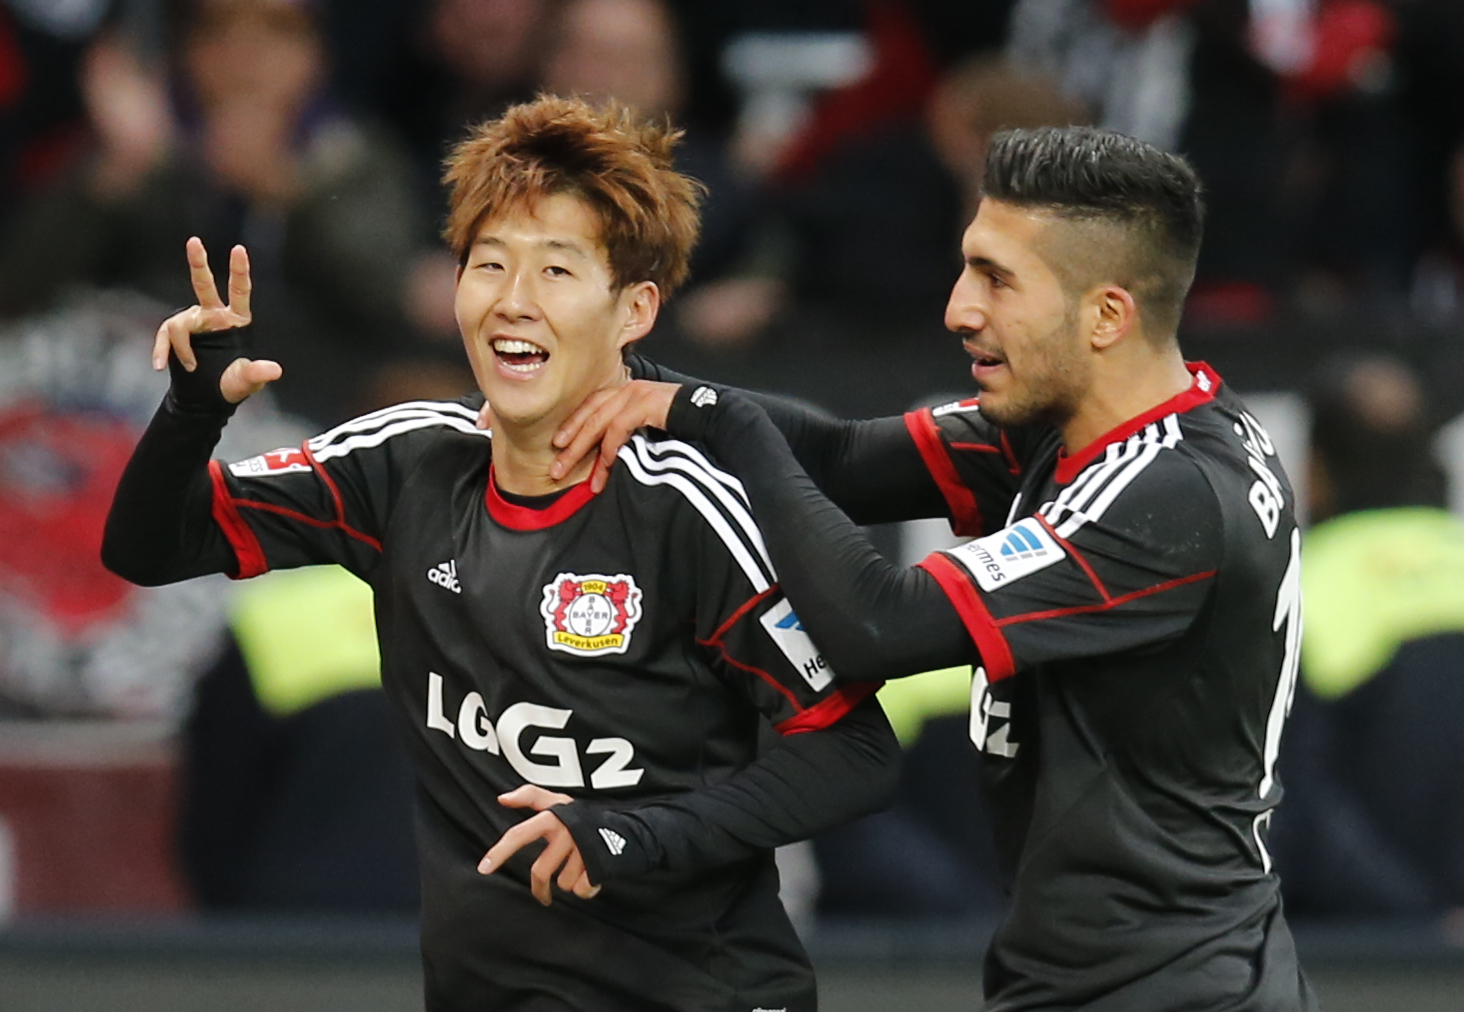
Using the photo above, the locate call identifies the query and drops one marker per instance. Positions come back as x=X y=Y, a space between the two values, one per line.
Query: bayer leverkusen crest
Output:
x=590 y=615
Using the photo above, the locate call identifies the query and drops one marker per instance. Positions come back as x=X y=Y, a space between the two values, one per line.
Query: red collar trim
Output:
x=523 y=518
x=1202 y=391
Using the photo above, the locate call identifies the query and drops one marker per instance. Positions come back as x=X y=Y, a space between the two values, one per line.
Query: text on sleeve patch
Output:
x=1010 y=554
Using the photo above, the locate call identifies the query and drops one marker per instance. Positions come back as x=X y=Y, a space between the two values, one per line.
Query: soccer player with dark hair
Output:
x=608 y=661
x=1132 y=595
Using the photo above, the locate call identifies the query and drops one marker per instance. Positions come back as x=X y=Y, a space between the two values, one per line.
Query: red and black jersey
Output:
x=621 y=647
x=1137 y=612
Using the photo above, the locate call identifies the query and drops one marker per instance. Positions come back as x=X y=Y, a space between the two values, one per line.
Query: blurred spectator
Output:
x=41 y=117
x=257 y=153
x=1373 y=761
x=1430 y=44
x=465 y=61
x=878 y=225
x=297 y=793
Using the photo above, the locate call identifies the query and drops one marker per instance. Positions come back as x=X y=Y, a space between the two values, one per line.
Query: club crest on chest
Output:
x=590 y=614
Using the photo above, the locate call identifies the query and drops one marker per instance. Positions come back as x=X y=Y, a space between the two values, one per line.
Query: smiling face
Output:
x=541 y=319
x=1017 y=321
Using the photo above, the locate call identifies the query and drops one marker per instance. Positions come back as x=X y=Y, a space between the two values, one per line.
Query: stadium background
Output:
x=199 y=803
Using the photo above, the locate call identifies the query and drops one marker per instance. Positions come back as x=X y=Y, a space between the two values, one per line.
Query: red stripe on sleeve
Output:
x=340 y=505
x=1112 y=602
x=965 y=513
x=828 y=710
x=996 y=655
x=1077 y=557
x=239 y=534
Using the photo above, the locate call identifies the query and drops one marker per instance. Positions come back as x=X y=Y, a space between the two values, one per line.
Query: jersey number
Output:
x=1288 y=614
x=475 y=730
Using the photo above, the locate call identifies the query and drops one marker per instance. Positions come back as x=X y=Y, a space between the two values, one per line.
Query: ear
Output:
x=1114 y=315
x=641 y=303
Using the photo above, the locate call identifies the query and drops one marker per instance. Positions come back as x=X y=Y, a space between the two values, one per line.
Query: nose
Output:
x=966 y=308
x=516 y=299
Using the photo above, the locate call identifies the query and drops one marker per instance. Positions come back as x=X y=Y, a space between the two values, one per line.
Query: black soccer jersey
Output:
x=621 y=647
x=1137 y=612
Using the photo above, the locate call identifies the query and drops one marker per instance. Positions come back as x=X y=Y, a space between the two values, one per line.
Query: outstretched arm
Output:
x=805 y=784
x=160 y=528
x=873 y=620
x=872 y=469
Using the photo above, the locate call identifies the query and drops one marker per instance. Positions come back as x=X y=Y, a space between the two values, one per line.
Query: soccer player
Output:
x=607 y=660
x=1132 y=594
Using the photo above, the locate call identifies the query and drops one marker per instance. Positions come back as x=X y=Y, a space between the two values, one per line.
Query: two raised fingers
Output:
x=210 y=313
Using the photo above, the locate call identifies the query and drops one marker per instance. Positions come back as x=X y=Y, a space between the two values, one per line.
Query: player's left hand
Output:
x=560 y=852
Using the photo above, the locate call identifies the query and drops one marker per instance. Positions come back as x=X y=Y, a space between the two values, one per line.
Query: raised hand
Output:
x=243 y=376
x=560 y=852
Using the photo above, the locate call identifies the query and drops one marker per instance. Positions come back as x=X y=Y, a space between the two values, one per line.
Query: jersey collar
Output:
x=1201 y=391
x=524 y=518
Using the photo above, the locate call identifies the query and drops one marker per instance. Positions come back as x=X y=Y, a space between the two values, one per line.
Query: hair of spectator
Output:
x=290 y=16
x=1370 y=432
x=617 y=162
x=1089 y=175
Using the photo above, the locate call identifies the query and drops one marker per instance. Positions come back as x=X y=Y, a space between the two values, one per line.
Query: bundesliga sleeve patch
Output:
x=286 y=460
x=1001 y=559
x=590 y=615
x=782 y=624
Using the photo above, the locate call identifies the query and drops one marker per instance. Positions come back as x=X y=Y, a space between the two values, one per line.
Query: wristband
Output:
x=609 y=842
x=198 y=392
x=693 y=411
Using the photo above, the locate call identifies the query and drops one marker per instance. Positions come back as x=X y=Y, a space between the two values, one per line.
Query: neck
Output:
x=521 y=459
x=1122 y=390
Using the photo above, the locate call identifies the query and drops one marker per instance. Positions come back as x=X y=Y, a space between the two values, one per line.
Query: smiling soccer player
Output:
x=606 y=661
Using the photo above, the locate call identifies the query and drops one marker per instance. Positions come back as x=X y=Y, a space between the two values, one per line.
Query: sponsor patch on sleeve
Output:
x=782 y=624
x=286 y=460
x=1003 y=558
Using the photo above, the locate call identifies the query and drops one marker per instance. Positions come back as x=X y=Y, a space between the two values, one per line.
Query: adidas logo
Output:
x=444 y=574
x=1022 y=544
x=704 y=397
x=613 y=840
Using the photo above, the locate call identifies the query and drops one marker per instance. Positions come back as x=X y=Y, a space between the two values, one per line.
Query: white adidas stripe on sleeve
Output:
x=719 y=523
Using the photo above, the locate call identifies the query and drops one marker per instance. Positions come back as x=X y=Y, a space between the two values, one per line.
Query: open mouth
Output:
x=519 y=355
x=985 y=359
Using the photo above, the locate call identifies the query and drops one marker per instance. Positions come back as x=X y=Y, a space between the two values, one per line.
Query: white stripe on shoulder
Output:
x=727 y=489
x=660 y=446
x=714 y=517
x=364 y=441
x=1113 y=475
x=383 y=416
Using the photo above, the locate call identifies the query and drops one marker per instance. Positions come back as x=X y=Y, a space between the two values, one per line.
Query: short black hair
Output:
x=1088 y=174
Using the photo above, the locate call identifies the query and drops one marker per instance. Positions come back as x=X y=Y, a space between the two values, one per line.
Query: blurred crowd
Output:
x=841 y=141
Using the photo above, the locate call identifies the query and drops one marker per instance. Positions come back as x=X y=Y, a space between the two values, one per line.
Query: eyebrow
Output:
x=563 y=245
x=987 y=264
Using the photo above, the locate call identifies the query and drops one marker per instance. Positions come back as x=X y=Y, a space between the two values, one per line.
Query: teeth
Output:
x=513 y=346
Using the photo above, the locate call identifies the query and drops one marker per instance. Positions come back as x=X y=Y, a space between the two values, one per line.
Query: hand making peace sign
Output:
x=243 y=376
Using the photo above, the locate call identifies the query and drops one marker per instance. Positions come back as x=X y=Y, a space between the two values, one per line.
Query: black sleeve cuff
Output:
x=197 y=392
x=694 y=411
x=613 y=845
